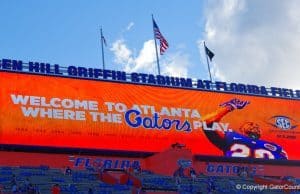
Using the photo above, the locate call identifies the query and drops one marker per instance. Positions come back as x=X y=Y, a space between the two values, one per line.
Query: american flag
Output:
x=163 y=42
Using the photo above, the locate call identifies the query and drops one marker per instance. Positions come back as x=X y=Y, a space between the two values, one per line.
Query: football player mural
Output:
x=243 y=142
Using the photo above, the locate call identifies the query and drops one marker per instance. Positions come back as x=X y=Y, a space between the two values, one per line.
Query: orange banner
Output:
x=53 y=111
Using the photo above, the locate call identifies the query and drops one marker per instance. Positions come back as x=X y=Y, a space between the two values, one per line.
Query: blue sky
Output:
x=255 y=41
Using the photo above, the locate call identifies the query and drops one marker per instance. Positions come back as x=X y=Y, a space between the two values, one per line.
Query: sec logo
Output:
x=283 y=122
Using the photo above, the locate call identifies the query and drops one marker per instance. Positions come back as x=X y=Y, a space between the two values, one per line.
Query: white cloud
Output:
x=172 y=64
x=146 y=59
x=255 y=41
x=123 y=55
x=176 y=65
x=129 y=26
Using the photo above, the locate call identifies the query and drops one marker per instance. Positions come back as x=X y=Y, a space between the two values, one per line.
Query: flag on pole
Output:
x=209 y=53
x=103 y=40
x=163 y=42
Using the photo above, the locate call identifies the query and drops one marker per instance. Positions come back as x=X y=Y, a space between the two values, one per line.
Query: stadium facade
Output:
x=86 y=117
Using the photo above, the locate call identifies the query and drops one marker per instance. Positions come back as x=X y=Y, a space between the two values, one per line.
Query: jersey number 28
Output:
x=241 y=150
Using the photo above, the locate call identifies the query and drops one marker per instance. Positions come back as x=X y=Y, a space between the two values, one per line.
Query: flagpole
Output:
x=208 y=66
x=102 y=48
x=157 y=59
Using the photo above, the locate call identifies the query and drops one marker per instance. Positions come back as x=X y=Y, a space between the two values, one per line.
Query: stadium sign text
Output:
x=142 y=78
